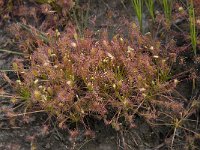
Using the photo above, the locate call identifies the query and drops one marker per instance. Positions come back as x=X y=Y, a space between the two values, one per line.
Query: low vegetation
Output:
x=73 y=74
x=73 y=78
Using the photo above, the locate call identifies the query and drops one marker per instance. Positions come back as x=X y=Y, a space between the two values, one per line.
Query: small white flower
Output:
x=130 y=49
x=148 y=33
x=69 y=83
x=180 y=9
x=53 y=55
x=82 y=111
x=114 y=86
x=105 y=43
x=57 y=32
x=73 y=45
x=142 y=89
x=164 y=60
x=157 y=12
x=44 y=98
x=144 y=95
x=110 y=55
x=55 y=66
x=151 y=48
x=155 y=56
x=36 y=81
x=45 y=64
x=176 y=81
x=89 y=84
x=105 y=60
x=198 y=21
x=19 y=82
x=125 y=102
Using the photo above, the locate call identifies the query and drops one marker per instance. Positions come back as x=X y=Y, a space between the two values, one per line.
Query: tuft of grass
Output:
x=138 y=7
x=150 y=7
x=167 y=6
x=80 y=15
x=40 y=34
x=193 y=32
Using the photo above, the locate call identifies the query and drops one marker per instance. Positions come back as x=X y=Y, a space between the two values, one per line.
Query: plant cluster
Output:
x=193 y=30
x=169 y=7
x=138 y=8
x=73 y=78
x=56 y=12
x=74 y=75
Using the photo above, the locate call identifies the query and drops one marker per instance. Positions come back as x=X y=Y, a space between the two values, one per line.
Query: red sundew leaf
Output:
x=6 y=78
x=2 y=92
x=45 y=130
x=46 y=9
x=1 y=3
x=74 y=134
x=89 y=133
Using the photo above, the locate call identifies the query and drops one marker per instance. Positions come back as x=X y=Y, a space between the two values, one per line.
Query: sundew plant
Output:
x=73 y=78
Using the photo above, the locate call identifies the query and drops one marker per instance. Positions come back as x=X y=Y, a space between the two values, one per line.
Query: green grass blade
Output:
x=40 y=34
x=11 y=52
x=193 y=32
x=150 y=7
x=138 y=7
x=167 y=6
